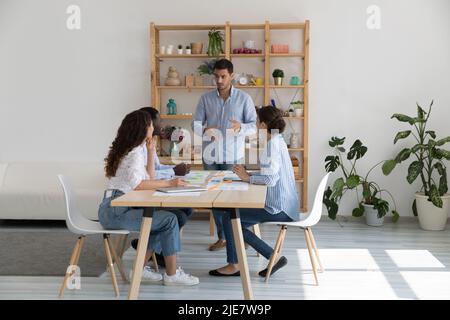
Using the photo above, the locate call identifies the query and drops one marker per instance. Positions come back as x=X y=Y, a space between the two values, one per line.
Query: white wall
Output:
x=63 y=93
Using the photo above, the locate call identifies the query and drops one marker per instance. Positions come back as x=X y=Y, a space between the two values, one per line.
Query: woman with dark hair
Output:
x=126 y=169
x=281 y=199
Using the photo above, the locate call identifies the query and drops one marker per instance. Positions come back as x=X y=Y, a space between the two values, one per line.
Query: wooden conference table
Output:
x=228 y=200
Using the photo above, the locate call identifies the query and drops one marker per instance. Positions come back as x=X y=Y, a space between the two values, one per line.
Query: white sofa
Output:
x=32 y=190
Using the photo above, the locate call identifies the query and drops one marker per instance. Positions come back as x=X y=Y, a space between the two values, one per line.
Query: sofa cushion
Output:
x=32 y=190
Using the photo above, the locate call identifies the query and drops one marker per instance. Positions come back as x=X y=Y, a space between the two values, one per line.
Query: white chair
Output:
x=82 y=226
x=312 y=218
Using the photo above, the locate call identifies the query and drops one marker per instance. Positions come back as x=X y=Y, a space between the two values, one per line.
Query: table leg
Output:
x=138 y=265
x=241 y=253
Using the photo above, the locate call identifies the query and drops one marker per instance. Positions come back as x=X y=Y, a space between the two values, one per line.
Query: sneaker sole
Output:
x=177 y=284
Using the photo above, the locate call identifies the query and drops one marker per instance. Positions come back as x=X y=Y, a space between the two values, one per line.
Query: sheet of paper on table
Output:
x=196 y=177
x=225 y=186
x=177 y=194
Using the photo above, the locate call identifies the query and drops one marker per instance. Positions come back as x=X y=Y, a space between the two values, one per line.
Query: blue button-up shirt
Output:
x=277 y=173
x=213 y=111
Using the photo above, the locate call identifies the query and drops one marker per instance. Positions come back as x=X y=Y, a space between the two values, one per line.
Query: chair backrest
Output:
x=316 y=212
x=75 y=220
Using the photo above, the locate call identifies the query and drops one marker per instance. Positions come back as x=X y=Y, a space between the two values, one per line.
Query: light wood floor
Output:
x=397 y=261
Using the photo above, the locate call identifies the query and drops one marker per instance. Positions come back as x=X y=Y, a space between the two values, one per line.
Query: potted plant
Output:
x=180 y=49
x=215 y=39
x=298 y=107
x=188 y=50
x=432 y=202
x=278 y=76
x=368 y=193
x=207 y=68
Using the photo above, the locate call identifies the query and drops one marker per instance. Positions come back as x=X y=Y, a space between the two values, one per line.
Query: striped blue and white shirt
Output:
x=212 y=111
x=277 y=173
x=162 y=171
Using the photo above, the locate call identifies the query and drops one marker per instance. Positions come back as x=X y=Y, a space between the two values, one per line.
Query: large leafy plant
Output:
x=427 y=154
x=215 y=43
x=367 y=192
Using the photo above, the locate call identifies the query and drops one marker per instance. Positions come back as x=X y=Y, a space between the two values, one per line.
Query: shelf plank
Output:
x=286 y=26
x=186 y=56
x=176 y=116
x=249 y=87
x=287 y=86
x=185 y=88
x=246 y=26
x=286 y=55
x=247 y=55
x=189 y=27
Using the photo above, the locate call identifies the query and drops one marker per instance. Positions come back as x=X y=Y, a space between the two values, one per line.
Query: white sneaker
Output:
x=180 y=278
x=148 y=274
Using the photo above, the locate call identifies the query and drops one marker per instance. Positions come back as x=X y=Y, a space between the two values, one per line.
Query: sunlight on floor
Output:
x=414 y=259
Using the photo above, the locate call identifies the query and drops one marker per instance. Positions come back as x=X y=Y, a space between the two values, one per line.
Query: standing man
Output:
x=225 y=116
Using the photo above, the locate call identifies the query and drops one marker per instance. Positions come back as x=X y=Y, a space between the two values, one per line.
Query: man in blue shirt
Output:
x=224 y=117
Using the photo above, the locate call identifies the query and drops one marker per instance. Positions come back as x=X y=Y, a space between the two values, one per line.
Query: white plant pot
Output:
x=180 y=51
x=188 y=51
x=371 y=215
x=431 y=217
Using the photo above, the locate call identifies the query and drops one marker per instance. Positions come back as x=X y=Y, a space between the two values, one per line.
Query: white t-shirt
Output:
x=131 y=171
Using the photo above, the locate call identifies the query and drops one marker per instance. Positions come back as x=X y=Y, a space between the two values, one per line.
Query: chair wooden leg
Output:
x=73 y=258
x=123 y=246
x=116 y=258
x=313 y=241
x=274 y=256
x=257 y=232
x=110 y=264
x=212 y=224
x=155 y=262
x=77 y=258
x=311 y=256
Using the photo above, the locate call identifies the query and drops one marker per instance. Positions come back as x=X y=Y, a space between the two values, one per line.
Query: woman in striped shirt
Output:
x=281 y=199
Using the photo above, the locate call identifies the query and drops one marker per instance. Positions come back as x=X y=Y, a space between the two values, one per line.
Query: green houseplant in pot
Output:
x=369 y=195
x=432 y=202
x=278 y=76
x=207 y=69
x=215 y=39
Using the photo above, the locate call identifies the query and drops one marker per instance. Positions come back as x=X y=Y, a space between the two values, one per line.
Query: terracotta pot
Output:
x=196 y=47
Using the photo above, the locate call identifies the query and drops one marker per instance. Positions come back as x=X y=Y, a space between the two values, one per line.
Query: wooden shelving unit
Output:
x=267 y=87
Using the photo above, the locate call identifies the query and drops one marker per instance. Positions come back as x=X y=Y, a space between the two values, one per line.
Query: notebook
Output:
x=181 y=189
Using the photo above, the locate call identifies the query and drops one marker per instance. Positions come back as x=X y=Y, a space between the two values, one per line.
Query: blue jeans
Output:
x=250 y=217
x=183 y=214
x=164 y=234
x=217 y=212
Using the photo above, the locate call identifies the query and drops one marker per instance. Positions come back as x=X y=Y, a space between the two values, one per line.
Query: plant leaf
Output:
x=341 y=149
x=395 y=216
x=417 y=147
x=420 y=112
x=443 y=141
x=358 y=212
x=331 y=163
x=441 y=153
x=335 y=141
x=414 y=208
x=403 y=155
x=435 y=197
x=443 y=179
x=338 y=188
x=431 y=133
x=388 y=166
x=357 y=149
x=402 y=135
x=403 y=118
x=382 y=206
x=414 y=169
x=352 y=181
